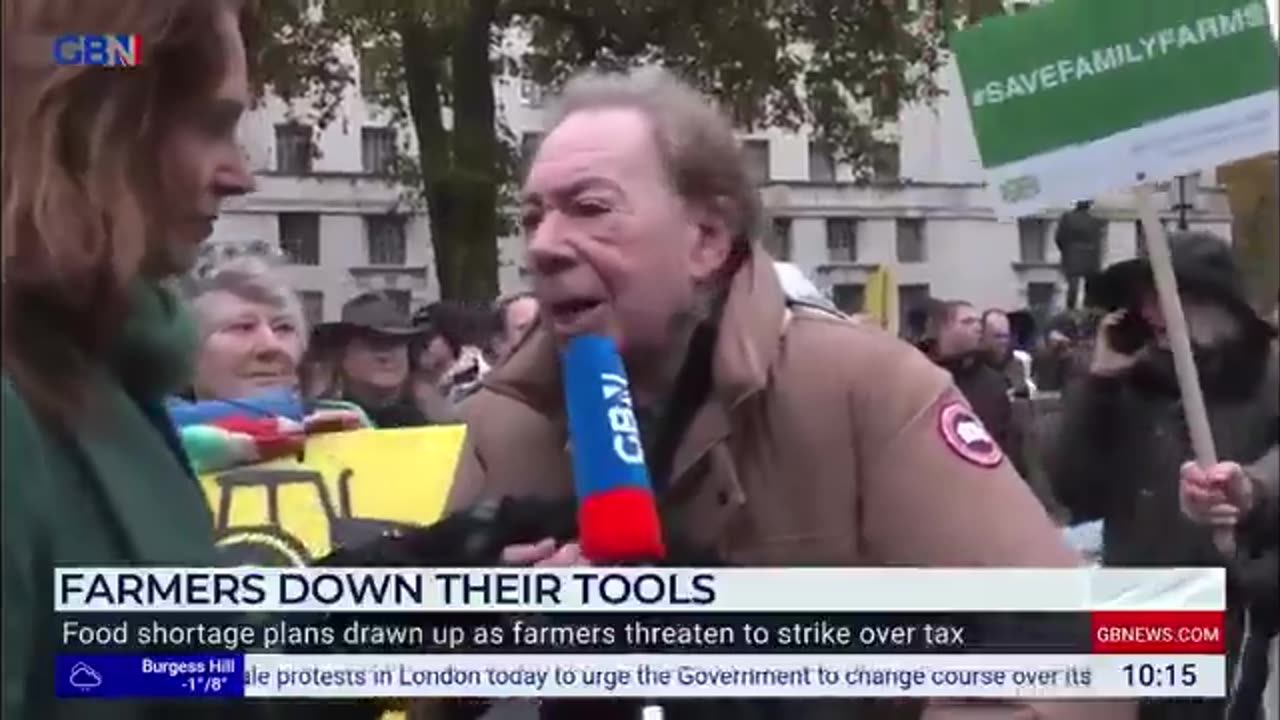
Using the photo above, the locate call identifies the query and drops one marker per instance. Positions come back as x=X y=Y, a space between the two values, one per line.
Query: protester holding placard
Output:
x=1122 y=438
x=1244 y=499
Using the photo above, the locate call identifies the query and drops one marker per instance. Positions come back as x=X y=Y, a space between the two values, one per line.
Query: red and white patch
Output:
x=965 y=434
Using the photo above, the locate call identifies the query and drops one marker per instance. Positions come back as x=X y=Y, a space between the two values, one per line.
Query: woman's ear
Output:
x=714 y=241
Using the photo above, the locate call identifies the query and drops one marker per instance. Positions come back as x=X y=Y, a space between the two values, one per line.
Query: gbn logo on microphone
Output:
x=622 y=419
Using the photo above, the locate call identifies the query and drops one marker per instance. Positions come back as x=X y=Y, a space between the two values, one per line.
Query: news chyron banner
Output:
x=640 y=633
x=347 y=488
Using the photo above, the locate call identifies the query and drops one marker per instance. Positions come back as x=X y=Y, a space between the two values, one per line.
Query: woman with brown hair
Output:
x=112 y=179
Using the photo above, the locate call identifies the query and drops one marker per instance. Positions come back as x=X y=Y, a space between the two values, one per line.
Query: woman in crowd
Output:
x=252 y=333
x=112 y=180
x=244 y=404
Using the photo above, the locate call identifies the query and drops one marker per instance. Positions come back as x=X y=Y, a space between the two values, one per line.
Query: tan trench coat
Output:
x=822 y=443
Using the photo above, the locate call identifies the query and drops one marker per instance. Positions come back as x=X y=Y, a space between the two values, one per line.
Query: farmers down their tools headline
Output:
x=437 y=589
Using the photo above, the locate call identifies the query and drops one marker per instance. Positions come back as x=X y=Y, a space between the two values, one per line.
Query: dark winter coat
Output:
x=988 y=393
x=1079 y=238
x=1117 y=457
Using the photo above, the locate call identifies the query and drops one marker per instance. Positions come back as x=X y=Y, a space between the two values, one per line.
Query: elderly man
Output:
x=777 y=434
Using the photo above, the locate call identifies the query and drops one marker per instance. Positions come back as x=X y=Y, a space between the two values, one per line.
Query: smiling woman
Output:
x=251 y=327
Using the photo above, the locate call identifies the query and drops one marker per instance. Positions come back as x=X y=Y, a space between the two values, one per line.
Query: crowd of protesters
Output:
x=778 y=432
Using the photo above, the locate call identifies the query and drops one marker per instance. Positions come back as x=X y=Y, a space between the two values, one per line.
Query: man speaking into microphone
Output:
x=775 y=433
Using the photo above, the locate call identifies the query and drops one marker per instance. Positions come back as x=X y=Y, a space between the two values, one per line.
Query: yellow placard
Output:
x=346 y=489
x=880 y=299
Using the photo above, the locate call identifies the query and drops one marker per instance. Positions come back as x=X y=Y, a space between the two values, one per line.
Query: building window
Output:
x=378 y=150
x=529 y=143
x=402 y=299
x=756 y=155
x=779 y=245
x=1041 y=299
x=294 y=149
x=885 y=161
x=912 y=298
x=842 y=239
x=312 y=302
x=300 y=237
x=1140 y=239
x=385 y=239
x=911 y=240
x=822 y=162
x=849 y=297
x=1033 y=240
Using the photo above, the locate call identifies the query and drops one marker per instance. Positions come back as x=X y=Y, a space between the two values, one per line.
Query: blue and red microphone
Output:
x=617 y=515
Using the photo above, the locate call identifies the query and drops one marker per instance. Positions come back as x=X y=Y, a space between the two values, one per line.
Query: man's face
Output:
x=1208 y=323
x=612 y=247
x=995 y=335
x=963 y=334
x=201 y=162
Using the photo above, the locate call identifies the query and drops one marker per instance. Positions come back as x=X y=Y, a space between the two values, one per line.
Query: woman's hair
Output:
x=81 y=191
x=247 y=277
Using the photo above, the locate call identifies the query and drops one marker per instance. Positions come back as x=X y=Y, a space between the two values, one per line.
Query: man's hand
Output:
x=544 y=553
x=1107 y=362
x=1219 y=495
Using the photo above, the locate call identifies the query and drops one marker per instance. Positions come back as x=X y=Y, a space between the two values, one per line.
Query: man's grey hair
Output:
x=696 y=141
x=249 y=278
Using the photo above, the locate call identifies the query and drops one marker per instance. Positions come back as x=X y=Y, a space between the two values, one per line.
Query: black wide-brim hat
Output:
x=1204 y=267
x=367 y=314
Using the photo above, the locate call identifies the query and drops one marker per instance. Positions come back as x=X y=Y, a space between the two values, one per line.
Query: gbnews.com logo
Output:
x=97 y=49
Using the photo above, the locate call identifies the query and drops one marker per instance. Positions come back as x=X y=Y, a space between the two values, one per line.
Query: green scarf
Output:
x=159 y=508
x=154 y=354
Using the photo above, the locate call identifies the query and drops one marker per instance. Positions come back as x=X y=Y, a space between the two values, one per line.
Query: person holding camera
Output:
x=1123 y=438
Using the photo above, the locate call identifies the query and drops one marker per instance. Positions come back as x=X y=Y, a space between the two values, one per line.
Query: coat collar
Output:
x=746 y=347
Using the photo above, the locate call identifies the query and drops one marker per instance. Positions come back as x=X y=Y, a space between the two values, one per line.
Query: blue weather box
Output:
x=150 y=676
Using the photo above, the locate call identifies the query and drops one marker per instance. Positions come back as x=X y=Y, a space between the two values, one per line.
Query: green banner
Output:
x=1146 y=89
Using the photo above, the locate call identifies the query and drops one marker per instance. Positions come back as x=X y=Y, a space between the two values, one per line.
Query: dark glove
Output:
x=470 y=538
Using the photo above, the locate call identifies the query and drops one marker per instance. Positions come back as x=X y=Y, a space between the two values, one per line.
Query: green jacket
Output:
x=117 y=490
